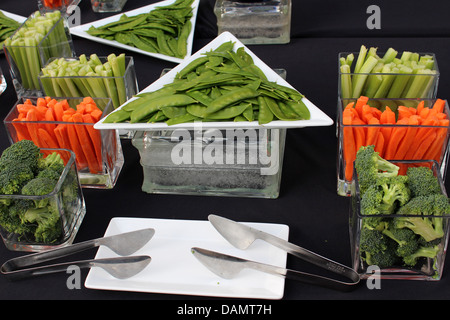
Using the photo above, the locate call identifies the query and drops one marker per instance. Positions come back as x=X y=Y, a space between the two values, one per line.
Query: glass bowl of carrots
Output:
x=68 y=123
x=400 y=129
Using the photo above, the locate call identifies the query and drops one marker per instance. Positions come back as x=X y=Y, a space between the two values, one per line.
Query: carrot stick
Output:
x=97 y=114
x=360 y=103
x=59 y=111
x=359 y=133
x=403 y=112
x=435 y=150
x=379 y=145
x=75 y=146
x=366 y=113
x=423 y=147
x=421 y=135
x=420 y=106
x=95 y=137
x=46 y=140
x=86 y=144
x=50 y=127
x=387 y=118
x=398 y=132
x=439 y=105
x=372 y=131
x=33 y=127
x=408 y=139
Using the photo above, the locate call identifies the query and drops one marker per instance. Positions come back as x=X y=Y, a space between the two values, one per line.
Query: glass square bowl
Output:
x=414 y=77
x=348 y=144
x=66 y=198
x=99 y=157
x=425 y=268
x=27 y=57
x=85 y=82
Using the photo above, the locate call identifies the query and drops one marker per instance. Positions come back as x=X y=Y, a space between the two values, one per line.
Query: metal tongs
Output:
x=242 y=236
x=124 y=244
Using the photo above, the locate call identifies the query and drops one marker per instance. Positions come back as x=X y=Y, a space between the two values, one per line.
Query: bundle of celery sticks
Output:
x=40 y=38
x=86 y=77
x=392 y=75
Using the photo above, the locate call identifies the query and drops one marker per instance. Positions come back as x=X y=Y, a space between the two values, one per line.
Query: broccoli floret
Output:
x=382 y=198
x=422 y=252
x=377 y=249
x=24 y=152
x=422 y=181
x=47 y=222
x=407 y=241
x=39 y=187
x=11 y=216
x=52 y=161
x=424 y=219
x=49 y=173
x=370 y=166
x=14 y=177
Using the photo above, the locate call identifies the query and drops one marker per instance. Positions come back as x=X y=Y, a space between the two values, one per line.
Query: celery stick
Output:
x=33 y=61
x=110 y=86
x=390 y=55
x=349 y=59
x=361 y=58
x=386 y=82
x=400 y=82
x=342 y=61
x=360 y=79
x=373 y=84
x=406 y=56
x=430 y=83
x=118 y=69
x=95 y=60
x=346 y=81
x=417 y=84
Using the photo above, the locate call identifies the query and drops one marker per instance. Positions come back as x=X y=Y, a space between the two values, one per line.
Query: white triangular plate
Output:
x=318 y=117
x=81 y=31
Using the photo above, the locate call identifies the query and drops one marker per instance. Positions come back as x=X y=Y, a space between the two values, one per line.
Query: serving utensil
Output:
x=123 y=244
x=242 y=236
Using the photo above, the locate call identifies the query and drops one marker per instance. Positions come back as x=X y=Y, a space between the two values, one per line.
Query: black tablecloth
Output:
x=308 y=203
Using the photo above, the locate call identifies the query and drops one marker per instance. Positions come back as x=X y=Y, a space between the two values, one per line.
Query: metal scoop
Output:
x=121 y=267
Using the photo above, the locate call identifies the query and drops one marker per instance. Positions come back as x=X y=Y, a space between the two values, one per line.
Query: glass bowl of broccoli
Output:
x=41 y=200
x=398 y=223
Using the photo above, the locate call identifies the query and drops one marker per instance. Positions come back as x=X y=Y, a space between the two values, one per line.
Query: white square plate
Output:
x=318 y=117
x=174 y=269
x=81 y=30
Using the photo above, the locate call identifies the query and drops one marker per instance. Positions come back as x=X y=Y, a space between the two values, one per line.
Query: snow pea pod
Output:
x=157 y=104
x=129 y=25
x=182 y=119
x=300 y=108
x=228 y=112
x=231 y=98
x=275 y=109
x=117 y=116
x=192 y=66
x=264 y=113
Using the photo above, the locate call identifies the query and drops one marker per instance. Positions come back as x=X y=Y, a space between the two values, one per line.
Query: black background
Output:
x=308 y=202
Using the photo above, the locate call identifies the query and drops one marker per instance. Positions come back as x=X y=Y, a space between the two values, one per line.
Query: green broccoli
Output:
x=422 y=181
x=370 y=166
x=24 y=152
x=11 y=216
x=424 y=217
x=49 y=173
x=14 y=176
x=377 y=249
x=422 y=252
x=39 y=186
x=52 y=161
x=47 y=222
x=407 y=241
x=383 y=197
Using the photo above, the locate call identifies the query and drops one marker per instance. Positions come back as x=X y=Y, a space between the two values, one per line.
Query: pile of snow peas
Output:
x=221 y=85
x=164 y=30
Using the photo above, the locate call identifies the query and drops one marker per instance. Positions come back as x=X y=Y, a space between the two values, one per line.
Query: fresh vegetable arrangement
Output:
x=221 y=85
x=404 y=133
x=54 y=124
x=24 y=170
x=33 y=44
x=7 y=27
x=414 y=235
x=408 y=75
x=86 y=77
x=163 y=30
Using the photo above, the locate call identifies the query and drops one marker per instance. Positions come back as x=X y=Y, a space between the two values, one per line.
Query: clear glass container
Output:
x=345 y=158
x=240 y=163
x=101 y=174
x=118 y=89
x=430 y=268
x=25 y=61
x=255 y=22
x=67 y=197
x=107 y=5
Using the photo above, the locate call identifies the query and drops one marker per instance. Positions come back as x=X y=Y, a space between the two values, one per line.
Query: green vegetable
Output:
x=410 y=76
x=377 y=249
x=422 y=181
x=221 y=85
x=37 y=218
x=164 y=29
x=39 y=39
x=422 y=252
x=87 y=77
x=7 y=27
x=370 y=166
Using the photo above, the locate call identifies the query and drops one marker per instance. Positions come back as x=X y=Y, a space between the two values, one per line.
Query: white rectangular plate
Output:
x=81 y=30
x=318 y=117
x=174 y=269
